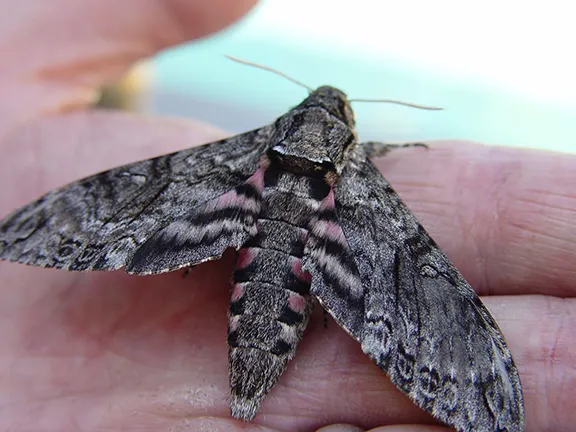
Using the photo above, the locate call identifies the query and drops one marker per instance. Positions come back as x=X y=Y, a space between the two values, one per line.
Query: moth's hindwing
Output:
x=228 y=220
x=97 y=223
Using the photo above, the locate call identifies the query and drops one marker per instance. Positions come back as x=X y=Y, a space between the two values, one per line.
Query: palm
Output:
x=110 y=344
x=119 y=351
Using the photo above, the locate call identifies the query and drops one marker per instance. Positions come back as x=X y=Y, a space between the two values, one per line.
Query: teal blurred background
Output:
x=504 y=71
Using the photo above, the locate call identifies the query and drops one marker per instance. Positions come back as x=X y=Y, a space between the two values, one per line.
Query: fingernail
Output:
x=341 y=428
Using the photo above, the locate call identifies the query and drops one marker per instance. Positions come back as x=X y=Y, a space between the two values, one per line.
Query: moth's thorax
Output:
x=317 y=135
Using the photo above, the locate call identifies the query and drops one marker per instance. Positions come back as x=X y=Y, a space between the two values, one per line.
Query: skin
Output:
x=109 y=351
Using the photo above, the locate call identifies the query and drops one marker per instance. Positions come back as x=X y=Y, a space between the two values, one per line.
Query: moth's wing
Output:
x=100 y=221
x=385 y=281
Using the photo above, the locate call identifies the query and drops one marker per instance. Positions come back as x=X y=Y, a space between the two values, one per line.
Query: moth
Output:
x=313 y=220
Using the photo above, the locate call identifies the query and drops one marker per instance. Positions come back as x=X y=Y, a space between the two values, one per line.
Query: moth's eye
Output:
x=348 y=113
x=344 y=112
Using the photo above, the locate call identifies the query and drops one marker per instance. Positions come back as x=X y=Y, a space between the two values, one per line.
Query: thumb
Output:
x=55 y=54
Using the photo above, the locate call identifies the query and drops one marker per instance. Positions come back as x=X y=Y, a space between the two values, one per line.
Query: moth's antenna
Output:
x=426 y=107
x=269 y=69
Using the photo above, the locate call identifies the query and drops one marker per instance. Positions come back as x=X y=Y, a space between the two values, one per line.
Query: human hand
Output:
x=110 y=351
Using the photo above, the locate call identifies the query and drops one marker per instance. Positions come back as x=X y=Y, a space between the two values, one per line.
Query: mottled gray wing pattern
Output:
x=100 y=221
x=386 y=282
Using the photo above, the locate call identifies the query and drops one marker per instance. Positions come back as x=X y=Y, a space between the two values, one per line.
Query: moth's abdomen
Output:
x=270 y=304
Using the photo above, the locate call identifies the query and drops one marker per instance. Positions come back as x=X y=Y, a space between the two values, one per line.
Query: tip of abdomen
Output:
x=244 y=408
x=252 y=373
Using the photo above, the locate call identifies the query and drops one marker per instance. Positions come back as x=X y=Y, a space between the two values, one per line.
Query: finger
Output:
x=341 y=428
x=541 y=334
x=332 y=379
x=411 y=428
x=56 y=53
x=505 y=216
x=55 y=150
x=394 y=428
x=506 y=229
x=505 y=237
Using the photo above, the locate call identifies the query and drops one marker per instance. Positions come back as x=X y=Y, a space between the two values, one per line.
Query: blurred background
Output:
x=504 y=72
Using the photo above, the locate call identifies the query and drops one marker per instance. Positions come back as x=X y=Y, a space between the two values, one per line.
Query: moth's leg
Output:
x=186 y=272
x=325 y=312
x=378 y=149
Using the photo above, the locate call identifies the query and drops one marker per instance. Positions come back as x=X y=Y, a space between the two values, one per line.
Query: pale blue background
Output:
x=503 y=72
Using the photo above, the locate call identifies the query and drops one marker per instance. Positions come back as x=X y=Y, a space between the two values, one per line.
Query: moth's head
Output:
x=332 y=100
x=315 y=137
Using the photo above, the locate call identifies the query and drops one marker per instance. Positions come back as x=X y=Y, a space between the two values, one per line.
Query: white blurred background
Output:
x=505 y=71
